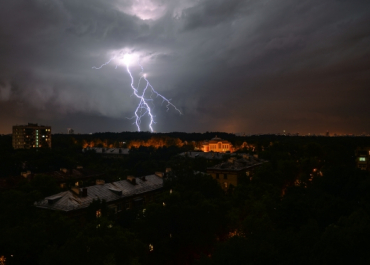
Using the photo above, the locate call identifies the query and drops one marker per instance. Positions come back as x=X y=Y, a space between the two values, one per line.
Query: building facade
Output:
x=363 y=158
x=235 y=170
x=115 y=153
x=31 y=136
x=217 y=145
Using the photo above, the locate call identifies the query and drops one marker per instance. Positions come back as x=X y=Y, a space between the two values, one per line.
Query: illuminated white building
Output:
x=217 y=145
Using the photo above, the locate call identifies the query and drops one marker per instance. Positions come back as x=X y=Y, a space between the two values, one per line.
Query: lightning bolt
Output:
x=143 y=108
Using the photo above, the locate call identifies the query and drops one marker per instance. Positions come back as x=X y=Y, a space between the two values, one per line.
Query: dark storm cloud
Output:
x=211 y=13
x=253 y=66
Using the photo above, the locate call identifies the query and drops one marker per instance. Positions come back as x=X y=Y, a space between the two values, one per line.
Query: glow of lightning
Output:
x=143 y=107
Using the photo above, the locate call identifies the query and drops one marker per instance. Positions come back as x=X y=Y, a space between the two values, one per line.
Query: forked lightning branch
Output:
x=143 y=108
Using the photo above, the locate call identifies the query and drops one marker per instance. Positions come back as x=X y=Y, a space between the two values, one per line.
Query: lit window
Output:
x=362 y=159
x=98 y=213
x=225 y=184
x=151 y=248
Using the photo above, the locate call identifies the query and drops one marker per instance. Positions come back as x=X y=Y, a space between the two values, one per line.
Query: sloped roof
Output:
x=238 y=164
x=112 y=151
x=210 y=155
x=68 y=201
x=207 y=155
x=216 y=140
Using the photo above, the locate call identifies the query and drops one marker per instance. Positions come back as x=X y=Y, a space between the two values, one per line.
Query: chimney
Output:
x=76 y=190
x=81 y=192
x=131 y=179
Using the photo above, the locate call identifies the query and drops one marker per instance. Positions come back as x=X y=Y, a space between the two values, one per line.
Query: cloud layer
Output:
x=229 y=65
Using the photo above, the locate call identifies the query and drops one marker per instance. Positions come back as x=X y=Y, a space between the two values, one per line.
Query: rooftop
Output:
x=68 y=200
x=31 y=125
x=210 y=155
x=236 y=164
x=113 y=151
x=215 y=140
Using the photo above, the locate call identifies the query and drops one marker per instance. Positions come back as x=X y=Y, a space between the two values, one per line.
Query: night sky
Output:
x=258 y=66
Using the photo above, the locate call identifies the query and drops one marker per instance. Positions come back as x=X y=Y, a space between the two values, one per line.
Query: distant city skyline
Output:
x=232 y=66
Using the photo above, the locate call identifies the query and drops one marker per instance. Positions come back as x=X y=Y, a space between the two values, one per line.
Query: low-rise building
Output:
x=74 y=177
x=118 y=195
x=208 y=155
x=211 y=156
x=363 y=158
x=67 y=178
x=108 y=152
x=234 y=169
x=217 y=145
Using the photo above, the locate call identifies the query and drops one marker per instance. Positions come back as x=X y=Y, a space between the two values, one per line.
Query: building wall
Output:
x=225 y=178
x=131 y=202
x=363 y=158
x=232 y=176
x=220 y=146
x=123 y=204
x=31 y=136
